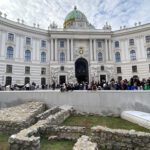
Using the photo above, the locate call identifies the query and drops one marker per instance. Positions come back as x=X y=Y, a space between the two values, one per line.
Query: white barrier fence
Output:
x=99 y=102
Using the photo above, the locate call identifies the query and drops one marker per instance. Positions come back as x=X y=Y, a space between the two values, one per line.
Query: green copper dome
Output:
x=75 y=15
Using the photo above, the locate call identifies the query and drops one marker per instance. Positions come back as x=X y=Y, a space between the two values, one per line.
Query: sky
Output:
x=116 y=12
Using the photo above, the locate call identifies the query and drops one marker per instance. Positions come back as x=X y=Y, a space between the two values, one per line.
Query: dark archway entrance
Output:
x=81 y=70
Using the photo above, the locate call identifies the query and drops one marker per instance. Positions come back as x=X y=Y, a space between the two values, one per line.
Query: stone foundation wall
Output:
x=65 y=132
x=120 y=139
x=28 y=139
x=14 y=119
x=47 y=113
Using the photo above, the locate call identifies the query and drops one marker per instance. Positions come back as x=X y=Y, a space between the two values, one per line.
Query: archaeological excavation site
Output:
x=27 y=125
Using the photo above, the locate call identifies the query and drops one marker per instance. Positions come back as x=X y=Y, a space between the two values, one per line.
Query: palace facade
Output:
x=77 y=52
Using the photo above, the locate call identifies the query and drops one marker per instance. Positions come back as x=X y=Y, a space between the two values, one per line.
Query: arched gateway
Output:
x=81 y=70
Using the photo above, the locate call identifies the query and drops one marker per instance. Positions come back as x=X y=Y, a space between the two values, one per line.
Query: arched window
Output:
x=117 y=57
x=27 y=55
x=43 y=57
x=132 y=55
x=117 y=44
x=148 y=53
x=100 y=56
x=10 y=52
x=62 y=57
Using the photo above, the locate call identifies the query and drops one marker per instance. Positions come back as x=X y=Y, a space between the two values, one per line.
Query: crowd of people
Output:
x=132 y=84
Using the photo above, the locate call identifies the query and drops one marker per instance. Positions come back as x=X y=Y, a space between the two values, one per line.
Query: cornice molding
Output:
x=73 y=32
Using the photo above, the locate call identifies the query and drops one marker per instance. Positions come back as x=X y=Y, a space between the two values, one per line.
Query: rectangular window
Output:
x=118 y=69
x=62 y=44
x=119 y=78
x=43 y=43
x=131 y=42
x=27 y=70
x=43 y=71
x=8 y=68
x=10 y=37
x=28 y=41
x=102 y=68
x=117 y=44
x=147 y=39
x=134 y=69
x=26 y=80
x=99 y=44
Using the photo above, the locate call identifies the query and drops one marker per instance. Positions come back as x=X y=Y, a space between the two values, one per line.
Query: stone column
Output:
x=144 y=52
x=21 y=48
x=94 y=52
x=52 y=50
x=106 y=49
x=127 y=52
x=110 y=50
x=56 y=50
x=3 y=46
x=122 y=53
x=68 y=50
x=91 y=52
x=34 y=49
x=17 y=47
x=71 y=49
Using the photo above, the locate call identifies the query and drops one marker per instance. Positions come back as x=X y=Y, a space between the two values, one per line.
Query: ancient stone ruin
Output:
x=27 y=123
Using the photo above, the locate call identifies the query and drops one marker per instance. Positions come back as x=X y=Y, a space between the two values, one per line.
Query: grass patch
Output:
x=110 y=122
x=3 y=142
x=56 y=144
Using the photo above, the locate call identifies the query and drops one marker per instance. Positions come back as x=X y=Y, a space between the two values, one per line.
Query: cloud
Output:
x=116 y=12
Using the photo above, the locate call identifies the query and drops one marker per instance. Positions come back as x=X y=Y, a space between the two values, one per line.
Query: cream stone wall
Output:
x=74 y=39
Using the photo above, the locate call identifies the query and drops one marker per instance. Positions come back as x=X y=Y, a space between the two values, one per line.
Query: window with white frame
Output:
x=131 y=41
x=148 y=53
x=10 y=52
x=118 y=69
x=43 y=71
x=147 y=39
x=27 y=55
x=43 y=44
x=62 y=44
x=100 y=56
x=132 y=55
x=10 y=37
x=43 y=81
x=99 y=44
x=117 y=57
x=116 y=44
x=62 y=57
x=26 y=80
x=8 y=68
x=134 y=69
x=28 y=40
x=27 y=70
x=8 y=80
x=43 y=57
